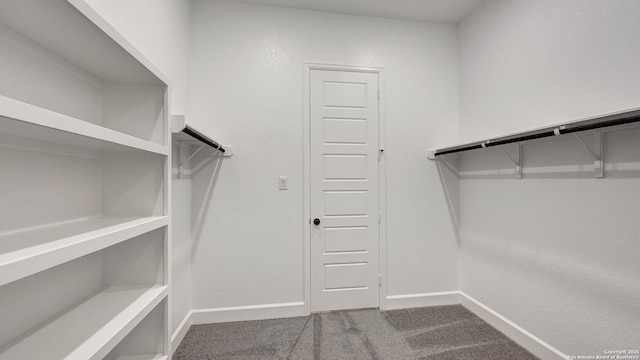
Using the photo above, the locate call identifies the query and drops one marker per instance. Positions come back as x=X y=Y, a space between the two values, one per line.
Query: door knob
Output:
x=316 y=221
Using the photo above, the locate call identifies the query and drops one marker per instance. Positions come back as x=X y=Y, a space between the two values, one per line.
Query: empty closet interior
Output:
x=155 y=167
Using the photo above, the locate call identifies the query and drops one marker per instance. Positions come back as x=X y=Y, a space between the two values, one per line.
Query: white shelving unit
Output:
x=84 y=189
x=27 y=252
x=91 y=327
x=64 y=129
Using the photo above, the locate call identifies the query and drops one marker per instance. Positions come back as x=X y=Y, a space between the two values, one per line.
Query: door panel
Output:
x=345 y=239
x=345 y=203
x=353 y=167
x=344 y=190
x=345 y=276
x=347 y=131
x=344 y=94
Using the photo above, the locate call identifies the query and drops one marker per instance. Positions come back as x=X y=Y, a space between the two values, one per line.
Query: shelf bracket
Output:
x=185 y=143
x=597 y=153
x=181 y=162
x=515 y=160
x=445 y=162
x=449 y=166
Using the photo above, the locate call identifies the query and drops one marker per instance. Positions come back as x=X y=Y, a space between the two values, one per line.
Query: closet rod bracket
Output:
x=192 y=144
x=517 y=171
x=597 y=152
x=444 y=161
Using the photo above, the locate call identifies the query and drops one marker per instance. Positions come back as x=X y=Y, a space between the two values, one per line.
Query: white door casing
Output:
x=344 y=132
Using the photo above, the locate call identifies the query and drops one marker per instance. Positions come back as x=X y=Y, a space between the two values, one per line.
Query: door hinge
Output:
x=379 y=218
x=380 y=152
x=378 y=94
x=379 y=280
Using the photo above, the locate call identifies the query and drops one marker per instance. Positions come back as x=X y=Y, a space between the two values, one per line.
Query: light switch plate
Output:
x=283 y=183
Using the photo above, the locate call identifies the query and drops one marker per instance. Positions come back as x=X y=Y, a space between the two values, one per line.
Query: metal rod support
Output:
x=593 y=154
x=194 y=153
x=509 y=156
x=449 y=166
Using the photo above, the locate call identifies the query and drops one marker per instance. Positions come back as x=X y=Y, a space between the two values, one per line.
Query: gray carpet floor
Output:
x=432 y=333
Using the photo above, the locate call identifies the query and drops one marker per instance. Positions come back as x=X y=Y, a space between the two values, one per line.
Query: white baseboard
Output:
x=419 y=300
x=283 y=310
x=246 y=313
x=180 y=332
x=524 y=338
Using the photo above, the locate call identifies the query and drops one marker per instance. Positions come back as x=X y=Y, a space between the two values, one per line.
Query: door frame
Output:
x=382 y=172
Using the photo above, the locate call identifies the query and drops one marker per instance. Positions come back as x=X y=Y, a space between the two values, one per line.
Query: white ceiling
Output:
x=444 y=11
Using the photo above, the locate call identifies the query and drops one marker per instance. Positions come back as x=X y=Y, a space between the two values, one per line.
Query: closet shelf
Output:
x=73 y=31
x=23 y=119
x=91 y=329
x=26 y=252
x=628 y=116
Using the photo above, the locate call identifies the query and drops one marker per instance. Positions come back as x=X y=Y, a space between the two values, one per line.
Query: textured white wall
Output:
x=159 y=29
x=555 y=252
x=527 y=64
x=246 y=90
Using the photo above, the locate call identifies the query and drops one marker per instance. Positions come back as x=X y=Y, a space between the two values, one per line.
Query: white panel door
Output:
x=344 y=190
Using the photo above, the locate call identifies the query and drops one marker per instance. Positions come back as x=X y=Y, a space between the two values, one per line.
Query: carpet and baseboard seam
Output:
x=356 y=331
